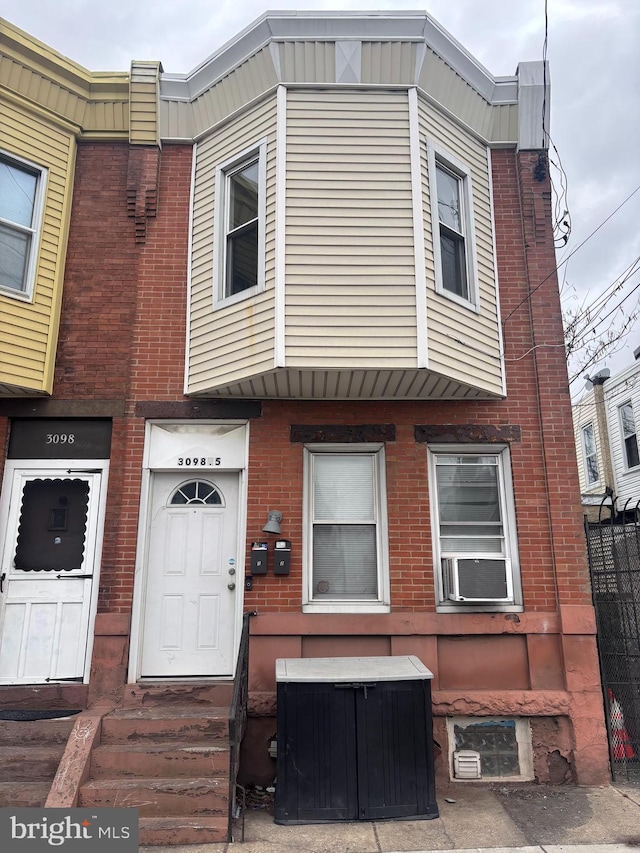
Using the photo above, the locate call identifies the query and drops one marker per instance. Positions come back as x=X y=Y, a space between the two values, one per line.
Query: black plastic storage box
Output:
x=354 y=739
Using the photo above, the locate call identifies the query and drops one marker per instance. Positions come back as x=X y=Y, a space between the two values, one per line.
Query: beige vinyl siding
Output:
x=106 y=119
x=92 y=102
x=307 y=61
x=584 y=413
x=350 y=268
x=388 y=62
x=232 y=92
x=28 y=331
x=233 y=342
x=504 y=127
x=625 y=388
x=143 y=103
x=463 y=344
x=449 y=89
x=176 y=120
x=53 y=95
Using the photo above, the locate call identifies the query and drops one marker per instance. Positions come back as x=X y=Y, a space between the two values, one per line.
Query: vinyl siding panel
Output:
x=28 y=331
x=504 y=127
x=623 y=389
x=388 y=62
x=350 y=275
x=453 y=92
x=584 y=413
x=463 y=344
x=49 y=93
x=143 y=103
x=236 y=341
x=307 y=61
x=231 y=93
x=176 y=120
x=105 y=118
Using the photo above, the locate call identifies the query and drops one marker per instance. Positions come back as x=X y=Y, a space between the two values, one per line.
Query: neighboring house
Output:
x=322 y=211
x=607 y=437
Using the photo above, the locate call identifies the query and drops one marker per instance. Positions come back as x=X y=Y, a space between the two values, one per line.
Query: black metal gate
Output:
x=614 y=560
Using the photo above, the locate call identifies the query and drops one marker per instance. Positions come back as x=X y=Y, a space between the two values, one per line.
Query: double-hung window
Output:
x=473 y=518
x=452 y=226
x=629 y=435
x=20 y=215
x=591 y=469
x=239 y=225
x=346 y=559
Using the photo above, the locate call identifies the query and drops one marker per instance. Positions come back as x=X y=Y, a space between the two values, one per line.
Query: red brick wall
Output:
x=122 y=334
x=544 y=469
x=99 y=297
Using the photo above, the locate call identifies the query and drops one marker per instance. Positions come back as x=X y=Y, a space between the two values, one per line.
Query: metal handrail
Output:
x=238 y=716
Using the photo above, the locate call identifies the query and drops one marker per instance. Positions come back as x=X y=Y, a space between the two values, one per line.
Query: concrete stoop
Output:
x=167 y=754
x=29 y=756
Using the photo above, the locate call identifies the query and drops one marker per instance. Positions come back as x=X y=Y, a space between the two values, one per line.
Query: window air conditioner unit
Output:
x=478 y=579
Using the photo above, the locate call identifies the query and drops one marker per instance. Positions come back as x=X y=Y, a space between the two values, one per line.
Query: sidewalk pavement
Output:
x=475 y=818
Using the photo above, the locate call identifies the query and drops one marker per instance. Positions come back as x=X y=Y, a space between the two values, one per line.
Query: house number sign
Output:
x=53 y=438
x=199 y=461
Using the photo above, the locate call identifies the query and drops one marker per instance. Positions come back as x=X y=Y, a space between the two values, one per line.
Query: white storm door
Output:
x=191 y=581
x=48 y=562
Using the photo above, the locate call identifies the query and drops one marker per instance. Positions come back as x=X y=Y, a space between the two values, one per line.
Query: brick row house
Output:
x=309 y=287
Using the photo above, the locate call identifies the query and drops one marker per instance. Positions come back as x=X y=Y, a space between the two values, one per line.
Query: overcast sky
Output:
x=595 y=85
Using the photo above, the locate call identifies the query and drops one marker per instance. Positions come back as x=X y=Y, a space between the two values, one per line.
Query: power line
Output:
x=591 y=313
x=571 y=254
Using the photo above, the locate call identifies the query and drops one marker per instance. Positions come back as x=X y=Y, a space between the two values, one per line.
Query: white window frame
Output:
x=585 y=456
x=438 y=156
x=256 y=153
x=382 y=603
x=507 y=506
x=35 y=230
x=625 y=455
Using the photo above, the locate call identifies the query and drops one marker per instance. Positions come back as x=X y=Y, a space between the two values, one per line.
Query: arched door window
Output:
x=198 y=492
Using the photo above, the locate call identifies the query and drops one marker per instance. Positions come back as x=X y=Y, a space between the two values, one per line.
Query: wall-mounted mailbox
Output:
x=282 y=557
x=259 y=555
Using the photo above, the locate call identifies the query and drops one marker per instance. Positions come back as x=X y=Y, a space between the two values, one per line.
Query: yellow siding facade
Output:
x=28 y=329
x=48 y=103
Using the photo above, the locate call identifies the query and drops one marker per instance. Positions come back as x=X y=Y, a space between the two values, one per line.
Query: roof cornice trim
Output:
x=34 y=54
x=282 y=26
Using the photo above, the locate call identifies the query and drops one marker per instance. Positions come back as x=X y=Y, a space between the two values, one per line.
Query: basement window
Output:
x=503 y=744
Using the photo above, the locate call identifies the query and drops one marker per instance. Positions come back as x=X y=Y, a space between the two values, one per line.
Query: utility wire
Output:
x=587 y=314
x=571 y=254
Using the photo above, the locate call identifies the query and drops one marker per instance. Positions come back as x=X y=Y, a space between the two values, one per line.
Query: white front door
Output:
x=48 y=561
x=189 y=613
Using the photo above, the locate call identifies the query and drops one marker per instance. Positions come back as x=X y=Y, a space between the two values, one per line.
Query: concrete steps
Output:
x=29 y=763
x=170 y=759
x=160 y=797
x=136 y=725
x=29 y=756
x=152 y=760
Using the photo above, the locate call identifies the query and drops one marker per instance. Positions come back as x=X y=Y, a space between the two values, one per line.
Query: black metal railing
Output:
x=238 y=722
x=613 y=544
